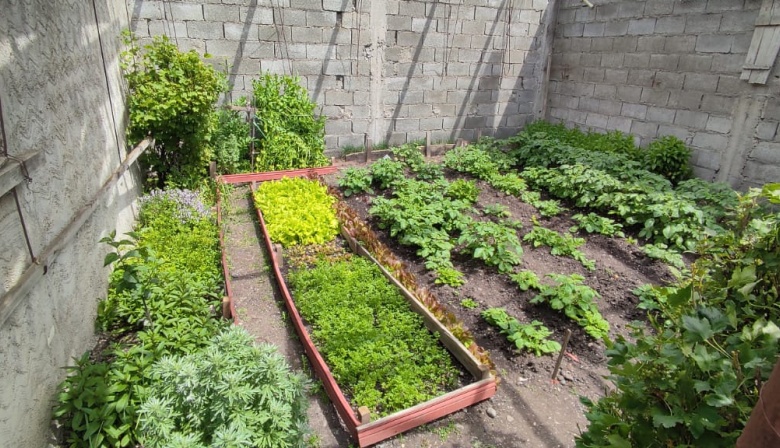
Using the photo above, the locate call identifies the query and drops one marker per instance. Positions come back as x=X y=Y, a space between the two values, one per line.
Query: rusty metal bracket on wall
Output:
x=35 y=271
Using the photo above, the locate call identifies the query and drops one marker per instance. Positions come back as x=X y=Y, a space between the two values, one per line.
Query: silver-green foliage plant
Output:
x=233 y=393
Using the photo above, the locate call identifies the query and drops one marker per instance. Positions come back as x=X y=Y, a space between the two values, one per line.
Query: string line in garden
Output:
x=506 y=67
x=105 y=75
x=450 y=43
x=170 y=23
x=284 y=52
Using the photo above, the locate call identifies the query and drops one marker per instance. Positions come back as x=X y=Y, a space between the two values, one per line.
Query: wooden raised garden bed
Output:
x=358 y=422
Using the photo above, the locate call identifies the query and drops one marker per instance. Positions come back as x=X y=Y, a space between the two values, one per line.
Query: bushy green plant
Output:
x=172 y=95
x=469 y=303
x=593 y=223
x=377 y=348
x=530 y=337
x=661 y=252
x=464 y=190
x=356 y=180
x=509 y=183
x=297 y=211
x=231 y=141
x=387 y=173
x=549 y=207
x=446 y=275
x=576 y=300
x=289 y=134
x=526 y=280
x=561 y=245
x=692 y=378
x=231 y=393
x=495 y=244
x=497 y=210
x=669 y=157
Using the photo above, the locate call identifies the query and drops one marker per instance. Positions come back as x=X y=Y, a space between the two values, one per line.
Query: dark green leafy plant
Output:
x=661 y=252
x=377 y=348
x=530 y=337
x=289 y=134
x=577 y=301
x=231 y=393
x=464 y=190
x=692 y=378
x=287 y=221
x=172 y=96
x=669 y=157
x=495 y=244
x=593 y=223
x=231 y=141
x=387 y=173
x=356 y=180
x=561 y=245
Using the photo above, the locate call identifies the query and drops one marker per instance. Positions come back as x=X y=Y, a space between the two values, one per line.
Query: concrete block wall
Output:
x=49 y=53
x=391 y=71
x=669 y=67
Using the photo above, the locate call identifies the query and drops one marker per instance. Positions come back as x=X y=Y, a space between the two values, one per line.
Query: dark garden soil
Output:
x=529 y=410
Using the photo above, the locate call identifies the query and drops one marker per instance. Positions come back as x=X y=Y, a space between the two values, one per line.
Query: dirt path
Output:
x=262 y=313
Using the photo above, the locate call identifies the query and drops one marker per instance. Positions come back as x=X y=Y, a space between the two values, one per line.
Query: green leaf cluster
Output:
x=593 y=223
x=356 y=180
x=495 y=244
x=669 y=157
x=289 y=134
x=297 y=211
x=172 y=97
x=576 y=300
x=693 y=377
x=464 y=190
x=157 y=305
x=231 y=142
x=377 y=348
x=560 y=245
x=530 y=337
x=387 y=173
x=230 y=393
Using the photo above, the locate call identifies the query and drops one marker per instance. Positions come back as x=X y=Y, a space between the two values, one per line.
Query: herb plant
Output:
x=577 y=301
x=377 y=348
x=231 y=393
x=172 y=96
x=530 y=337
x=297 y=211
x=289 y=134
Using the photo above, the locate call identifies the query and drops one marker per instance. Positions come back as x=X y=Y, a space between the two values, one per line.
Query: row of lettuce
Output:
x=172 y=372
x=690 y=375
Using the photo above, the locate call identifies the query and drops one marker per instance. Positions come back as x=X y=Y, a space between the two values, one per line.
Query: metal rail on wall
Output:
x=13 y=297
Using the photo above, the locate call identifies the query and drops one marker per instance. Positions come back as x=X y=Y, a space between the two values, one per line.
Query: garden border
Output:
x=360 y=427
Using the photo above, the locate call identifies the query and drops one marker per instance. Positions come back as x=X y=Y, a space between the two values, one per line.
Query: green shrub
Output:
x=172 y=95
x=289 y=135
x=464 y=190
x=387 y=173
x=495 y=244
x=692 y=377
x=231 y=142
x=377 y=348
x=669 y=157
x=231 y=393
x=297 y=211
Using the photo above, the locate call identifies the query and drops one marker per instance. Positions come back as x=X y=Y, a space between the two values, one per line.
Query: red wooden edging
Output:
x=391 y=425
x=225 y=267
x=317 y=362
x=273 y=175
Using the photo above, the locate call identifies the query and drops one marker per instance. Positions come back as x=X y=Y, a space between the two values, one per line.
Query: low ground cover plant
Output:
x=531 y=337
x=495 y=244
x=356 y=180
x=288 y=223
x=593 y=223
x=692 y=378
x=562 y=245
x=377 y=348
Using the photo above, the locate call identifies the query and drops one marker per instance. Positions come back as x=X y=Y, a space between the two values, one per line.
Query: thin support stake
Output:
x=560 y=355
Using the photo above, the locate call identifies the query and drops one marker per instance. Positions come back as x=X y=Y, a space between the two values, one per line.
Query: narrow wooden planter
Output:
x=359 y=423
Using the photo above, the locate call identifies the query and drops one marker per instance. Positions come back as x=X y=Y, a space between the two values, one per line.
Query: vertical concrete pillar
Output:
x=745 y=117
x=378 y=29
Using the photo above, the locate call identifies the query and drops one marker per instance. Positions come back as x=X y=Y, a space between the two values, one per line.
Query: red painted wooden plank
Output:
x=273 y=175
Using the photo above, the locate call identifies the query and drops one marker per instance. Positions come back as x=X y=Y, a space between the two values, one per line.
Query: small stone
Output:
x=563 y=382
x=491 y=412
x=522 y=380
x=510 y=419
x=567 y=376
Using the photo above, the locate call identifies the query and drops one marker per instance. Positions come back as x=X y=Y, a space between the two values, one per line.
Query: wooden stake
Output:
x=369 y=146
x=364 y=415
x=428 y=144
x=560 y=355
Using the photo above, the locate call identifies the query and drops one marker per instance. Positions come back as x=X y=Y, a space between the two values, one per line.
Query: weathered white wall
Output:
x=61 y=93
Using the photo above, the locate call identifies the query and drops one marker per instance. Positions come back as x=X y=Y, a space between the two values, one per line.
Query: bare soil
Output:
x=529 y=409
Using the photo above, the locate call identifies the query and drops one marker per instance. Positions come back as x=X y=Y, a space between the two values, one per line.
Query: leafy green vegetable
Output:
x=495 y=244
x=297 y=211
x=530 y=337
x=564 y=245
x=356 y=180
x=576 y=300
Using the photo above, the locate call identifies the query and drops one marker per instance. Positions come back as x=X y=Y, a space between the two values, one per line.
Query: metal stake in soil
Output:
x=560 y=355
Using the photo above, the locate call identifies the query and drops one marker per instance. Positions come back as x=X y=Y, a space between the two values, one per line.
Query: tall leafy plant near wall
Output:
x=172 y=97
x=289 y=134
